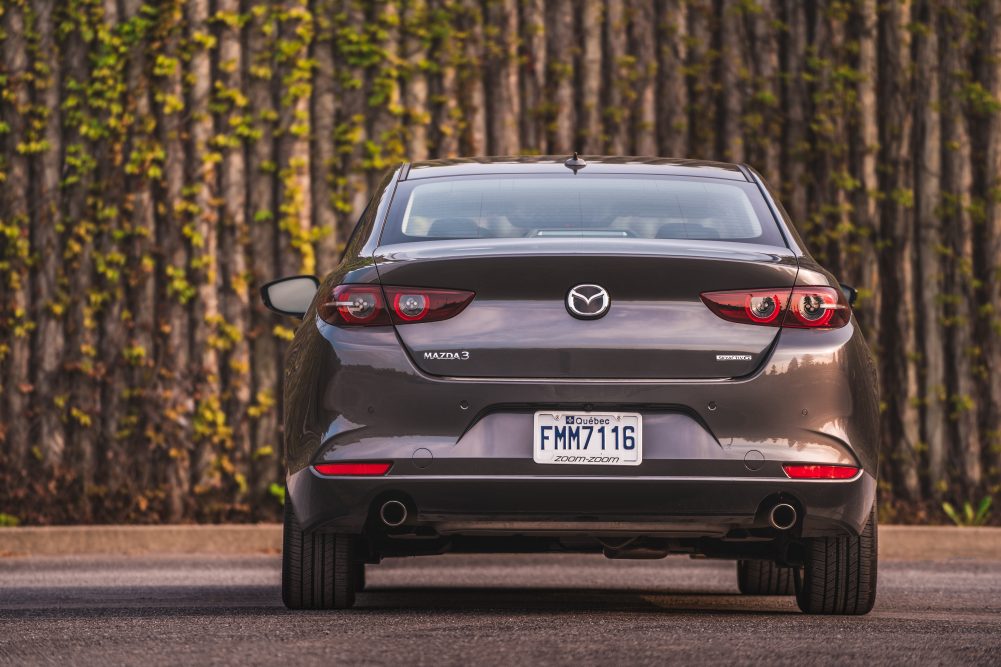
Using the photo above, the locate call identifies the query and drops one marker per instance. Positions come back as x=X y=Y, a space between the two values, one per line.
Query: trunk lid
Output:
x=518 y=324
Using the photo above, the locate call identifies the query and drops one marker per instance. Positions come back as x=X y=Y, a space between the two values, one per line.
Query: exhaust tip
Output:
x=783 y=516
x=393 y=513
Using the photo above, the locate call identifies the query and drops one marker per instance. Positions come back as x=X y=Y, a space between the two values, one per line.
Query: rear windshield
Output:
x=579 y=206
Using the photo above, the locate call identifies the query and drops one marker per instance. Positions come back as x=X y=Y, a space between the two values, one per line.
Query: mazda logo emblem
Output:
x=588 y=302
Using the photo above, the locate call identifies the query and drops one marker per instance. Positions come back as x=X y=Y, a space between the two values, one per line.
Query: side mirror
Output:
x=290 y=296
x=850 y=293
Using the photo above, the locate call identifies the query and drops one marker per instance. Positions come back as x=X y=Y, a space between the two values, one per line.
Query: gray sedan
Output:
x=630 y=356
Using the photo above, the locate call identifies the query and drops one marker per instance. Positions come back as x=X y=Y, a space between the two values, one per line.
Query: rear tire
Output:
x=839 y=573
x=319 y=570
x=762 y=577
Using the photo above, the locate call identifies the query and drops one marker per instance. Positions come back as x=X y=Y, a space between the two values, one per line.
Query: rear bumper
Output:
x=592 y=504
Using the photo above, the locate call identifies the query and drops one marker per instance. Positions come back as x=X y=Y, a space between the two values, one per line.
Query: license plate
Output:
x=588 y=438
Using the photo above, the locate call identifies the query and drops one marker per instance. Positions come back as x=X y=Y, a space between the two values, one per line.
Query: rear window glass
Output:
x=579 y=206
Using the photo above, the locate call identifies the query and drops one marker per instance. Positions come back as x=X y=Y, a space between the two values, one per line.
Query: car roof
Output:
x=554 y=164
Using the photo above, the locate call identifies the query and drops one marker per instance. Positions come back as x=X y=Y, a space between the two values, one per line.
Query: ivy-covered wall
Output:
x=160 y=159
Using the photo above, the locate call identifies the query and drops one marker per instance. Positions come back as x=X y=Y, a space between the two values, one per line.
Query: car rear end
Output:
x=631 y=359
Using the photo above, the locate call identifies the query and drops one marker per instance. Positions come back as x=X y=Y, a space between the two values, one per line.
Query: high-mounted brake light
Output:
x=375 y=305
x=358 y=469
x=795 y=307
x=796 y=471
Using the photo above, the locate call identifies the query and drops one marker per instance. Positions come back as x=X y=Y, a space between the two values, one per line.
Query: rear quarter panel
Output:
x=309 y=362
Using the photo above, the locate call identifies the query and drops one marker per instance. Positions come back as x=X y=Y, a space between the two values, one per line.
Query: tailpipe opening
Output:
x=782 y=516
x=393 y=513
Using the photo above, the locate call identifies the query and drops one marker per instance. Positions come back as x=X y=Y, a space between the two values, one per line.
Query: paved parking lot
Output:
x=539 y=609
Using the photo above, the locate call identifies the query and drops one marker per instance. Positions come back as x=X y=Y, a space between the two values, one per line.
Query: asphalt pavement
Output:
x=480 y=610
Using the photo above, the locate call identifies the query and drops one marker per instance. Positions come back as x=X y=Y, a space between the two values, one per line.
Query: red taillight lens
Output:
x=817 y=307
x=798 y=307
x=352 y=469
x=366 y=305
x=796 y=471
x=419 y=304
x=757 y=306
x=357 y=305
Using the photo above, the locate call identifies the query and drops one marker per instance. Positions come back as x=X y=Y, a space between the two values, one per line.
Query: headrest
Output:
x=456 y=228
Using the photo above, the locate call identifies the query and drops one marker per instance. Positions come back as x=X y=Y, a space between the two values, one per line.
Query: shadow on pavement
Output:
x=166 y=601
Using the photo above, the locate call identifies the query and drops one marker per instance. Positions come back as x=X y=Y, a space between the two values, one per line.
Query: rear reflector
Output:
x=820 y=471
x=352 y=469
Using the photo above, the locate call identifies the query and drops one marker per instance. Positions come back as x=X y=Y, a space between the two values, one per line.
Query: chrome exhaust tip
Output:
x=393 y=513
x=783 y=516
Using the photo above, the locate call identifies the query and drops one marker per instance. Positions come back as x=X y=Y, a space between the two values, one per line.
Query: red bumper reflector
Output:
x=820 y=471
x=352 y=469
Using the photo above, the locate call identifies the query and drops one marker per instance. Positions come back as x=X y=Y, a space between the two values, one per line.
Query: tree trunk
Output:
x=829 y=109
x=233 y=233
x=500 y=67
x=295 y=250
x=261 y=215
x=414 y=52
x=864 y=147
x=471 y=84
x=203 y=181
x=617 y=86
x=322 y=159
x=895 y=341
x=533 y=91
x=701 y=75
x=352 y=131
x=956 y=184
x=175 y=358
x=84 y=393
x=987 y=239
x=672 y=91
x=642 y=22
x=17 y=380
x=49 y=338
x=590 y=129
x=928 y=267
x=730 y=145
x=561 y=48
x=762 y=127
x=141 y=288
x=384 y=100
x=795 y=100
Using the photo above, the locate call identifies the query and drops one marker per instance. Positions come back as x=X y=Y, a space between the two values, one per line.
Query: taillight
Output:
x=375 y=305
x=359 y=305
x=418 y=304
x=817 y=307
x=763 y=307
x=357 y=469
x=797 y=307
x=797 y=471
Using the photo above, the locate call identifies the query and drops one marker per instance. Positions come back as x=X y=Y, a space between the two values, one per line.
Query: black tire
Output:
x=839 y=573
x=762 y=577
x=319 y=570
